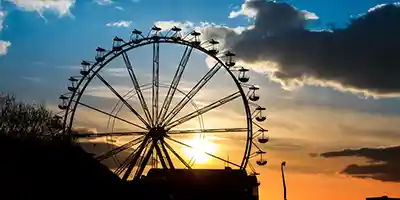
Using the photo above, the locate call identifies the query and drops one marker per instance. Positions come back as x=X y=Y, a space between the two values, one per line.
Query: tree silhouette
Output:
x=19 y=119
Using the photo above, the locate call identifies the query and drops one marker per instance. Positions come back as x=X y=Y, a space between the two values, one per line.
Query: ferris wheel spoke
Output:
x=174 y=83
x=252 y=168
x=215 y=130
x=177 y=156
x=170 y=163
x=192 y=93
x=260 y=127
x=203 y=110
x=259 y=149
x=136 y=86
x=122 y=99
x=160 y=155
x=119 y=149
x=105 y=134
x=154 y=160
x=144 y=162
x=156 y=77
x=136 y=157
x=125 y=164
x=257 y=134
x=111 y=115
x=209 y=154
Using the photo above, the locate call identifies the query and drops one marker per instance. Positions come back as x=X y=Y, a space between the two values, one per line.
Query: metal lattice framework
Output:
x=160 y=118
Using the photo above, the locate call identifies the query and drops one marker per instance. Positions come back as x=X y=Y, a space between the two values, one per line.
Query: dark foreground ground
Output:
x=32 y=169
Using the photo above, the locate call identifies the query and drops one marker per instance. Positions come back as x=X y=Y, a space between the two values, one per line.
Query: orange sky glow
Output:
x=302 y=186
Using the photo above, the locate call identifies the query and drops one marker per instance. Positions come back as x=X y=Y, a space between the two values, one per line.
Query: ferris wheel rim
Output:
x=85 y=80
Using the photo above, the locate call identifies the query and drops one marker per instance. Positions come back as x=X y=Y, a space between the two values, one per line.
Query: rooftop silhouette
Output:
x=382 y=198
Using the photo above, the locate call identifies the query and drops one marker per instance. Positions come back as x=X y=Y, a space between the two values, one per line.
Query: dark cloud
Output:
x=383 y=164
x=276 y=18
x=363 y=57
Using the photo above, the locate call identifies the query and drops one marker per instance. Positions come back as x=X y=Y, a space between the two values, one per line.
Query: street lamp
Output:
x=283 y=180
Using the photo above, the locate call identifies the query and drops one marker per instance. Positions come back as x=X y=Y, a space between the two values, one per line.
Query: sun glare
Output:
x=200 y=145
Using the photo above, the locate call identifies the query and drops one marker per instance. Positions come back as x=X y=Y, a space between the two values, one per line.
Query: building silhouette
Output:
x=197 y=184
x=382 y=198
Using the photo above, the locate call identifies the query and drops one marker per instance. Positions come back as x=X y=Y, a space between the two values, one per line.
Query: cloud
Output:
x=3 y=47
x=103 y=2
x=361 y=58
x=85 y=129
x=251 y=7
x=62 y=7
x=310 y=15
x=118 y=72
x=246 y=10
x=3 y=44
x=208 y=29
x=104 y=92
x=2 y=16
x=167 y=25
x=384 y=163
x=33 y=79
x=121 y=23
x=381 y=6
x=119 y=7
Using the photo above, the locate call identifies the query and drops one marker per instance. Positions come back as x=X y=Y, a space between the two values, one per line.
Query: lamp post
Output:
x=283 y=180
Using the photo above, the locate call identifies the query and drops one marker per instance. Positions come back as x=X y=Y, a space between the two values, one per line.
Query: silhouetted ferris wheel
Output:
x=152 y=123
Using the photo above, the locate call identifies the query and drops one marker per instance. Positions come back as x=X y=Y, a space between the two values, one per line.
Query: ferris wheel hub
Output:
x=157 y=133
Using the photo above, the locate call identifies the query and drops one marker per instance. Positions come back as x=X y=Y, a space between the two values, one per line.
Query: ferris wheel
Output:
x=155 y=112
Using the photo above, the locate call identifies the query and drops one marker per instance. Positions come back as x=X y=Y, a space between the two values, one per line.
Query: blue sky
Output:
x=49 y=40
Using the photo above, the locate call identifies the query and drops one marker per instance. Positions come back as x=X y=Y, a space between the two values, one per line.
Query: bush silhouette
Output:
x=19 y=119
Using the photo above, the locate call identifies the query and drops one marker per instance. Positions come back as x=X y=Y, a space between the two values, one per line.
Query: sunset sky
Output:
x=328 y=72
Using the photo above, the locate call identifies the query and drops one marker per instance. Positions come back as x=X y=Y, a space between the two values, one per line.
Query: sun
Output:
x=200 y=145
